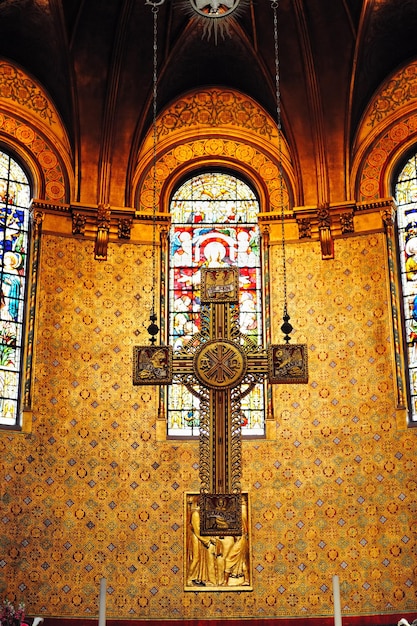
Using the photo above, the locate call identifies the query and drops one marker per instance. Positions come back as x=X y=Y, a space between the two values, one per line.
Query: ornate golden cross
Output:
x=220 y=365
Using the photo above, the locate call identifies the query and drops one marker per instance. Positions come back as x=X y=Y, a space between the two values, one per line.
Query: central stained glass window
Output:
x=214 y=223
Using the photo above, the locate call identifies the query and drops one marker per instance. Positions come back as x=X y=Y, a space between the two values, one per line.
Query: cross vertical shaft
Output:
x=220 y=365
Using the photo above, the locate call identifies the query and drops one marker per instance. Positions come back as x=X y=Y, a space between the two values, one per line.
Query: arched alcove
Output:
x=387 y=131
x=213 y=126
x=30 y=126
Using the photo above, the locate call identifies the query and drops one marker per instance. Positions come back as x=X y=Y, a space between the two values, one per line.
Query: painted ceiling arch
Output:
x=387 y=130
x=214 y=126
x=30 y=125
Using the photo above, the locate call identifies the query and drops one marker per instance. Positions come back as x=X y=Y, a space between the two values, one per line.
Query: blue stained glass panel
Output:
x=14 y=224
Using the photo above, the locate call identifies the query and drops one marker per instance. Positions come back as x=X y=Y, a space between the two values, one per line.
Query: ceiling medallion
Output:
x=215 y=15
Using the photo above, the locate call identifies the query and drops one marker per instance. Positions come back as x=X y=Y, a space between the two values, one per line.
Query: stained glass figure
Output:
x=214 y=224
x=406 y=199
x=14 y=220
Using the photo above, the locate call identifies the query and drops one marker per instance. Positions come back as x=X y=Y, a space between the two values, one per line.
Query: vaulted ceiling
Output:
x=95 y=59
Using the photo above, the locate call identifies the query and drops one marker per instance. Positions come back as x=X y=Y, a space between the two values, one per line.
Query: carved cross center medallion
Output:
x=220 y=363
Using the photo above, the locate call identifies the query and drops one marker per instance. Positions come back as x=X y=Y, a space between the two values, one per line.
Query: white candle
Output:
x=336 y=602
x=102 y=603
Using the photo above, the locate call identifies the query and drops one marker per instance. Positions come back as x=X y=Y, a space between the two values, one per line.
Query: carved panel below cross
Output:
x=220 y=561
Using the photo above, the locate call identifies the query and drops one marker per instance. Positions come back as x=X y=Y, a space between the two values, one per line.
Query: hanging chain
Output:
x=286 y=327
x=154 y=101
x=280 y=167
x=153 y=328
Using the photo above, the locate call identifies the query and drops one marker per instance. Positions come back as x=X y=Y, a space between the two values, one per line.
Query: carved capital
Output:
x=323 y=216
x=124 y=228
x=163 y=232
x=78 y=224
x=37 y=220
x=346 y=222
x=304 y=228
x=265 y=233
x=388 y=216
x=103 y=216
x=38 y=217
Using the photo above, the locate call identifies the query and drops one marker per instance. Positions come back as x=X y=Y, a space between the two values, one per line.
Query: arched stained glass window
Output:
x=15 y=196
x=406 y=199
x=214 y=223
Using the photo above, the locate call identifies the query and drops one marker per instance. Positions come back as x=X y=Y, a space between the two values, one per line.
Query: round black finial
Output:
x=286 y=327
x=153 y=329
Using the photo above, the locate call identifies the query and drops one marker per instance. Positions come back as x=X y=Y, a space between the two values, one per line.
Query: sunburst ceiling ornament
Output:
x=215 y=15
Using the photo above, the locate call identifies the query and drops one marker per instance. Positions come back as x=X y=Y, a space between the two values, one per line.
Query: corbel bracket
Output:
x=103 y=229
x=325 y=234
x=103 y=223
x=326 y=221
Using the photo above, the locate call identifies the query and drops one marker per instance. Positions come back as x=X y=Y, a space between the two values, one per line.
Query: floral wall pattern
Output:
x=92 y=492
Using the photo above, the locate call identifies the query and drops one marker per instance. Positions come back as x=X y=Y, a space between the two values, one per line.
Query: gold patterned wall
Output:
x=93 y=491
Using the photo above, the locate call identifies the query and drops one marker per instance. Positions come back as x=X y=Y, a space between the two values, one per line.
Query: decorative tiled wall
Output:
x=92 y=492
